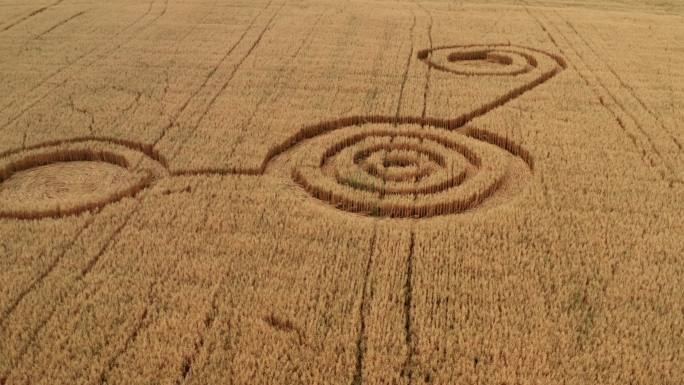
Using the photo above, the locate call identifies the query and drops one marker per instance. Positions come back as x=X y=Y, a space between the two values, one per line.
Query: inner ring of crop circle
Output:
x=392 y=167
x=447 y=172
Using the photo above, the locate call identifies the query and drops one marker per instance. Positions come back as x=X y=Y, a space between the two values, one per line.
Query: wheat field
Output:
x=341 y=192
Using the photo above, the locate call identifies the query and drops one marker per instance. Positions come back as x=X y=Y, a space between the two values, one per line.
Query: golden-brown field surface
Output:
x=341 y=192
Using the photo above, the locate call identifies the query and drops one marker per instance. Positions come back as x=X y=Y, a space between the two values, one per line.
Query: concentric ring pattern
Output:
x=403 y=171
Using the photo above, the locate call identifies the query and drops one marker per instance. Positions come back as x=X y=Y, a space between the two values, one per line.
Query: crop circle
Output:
x=480 y=60
x=401 y=172
x=66 y=179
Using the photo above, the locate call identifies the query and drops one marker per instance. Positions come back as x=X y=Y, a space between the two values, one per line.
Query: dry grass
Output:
x=323 y=192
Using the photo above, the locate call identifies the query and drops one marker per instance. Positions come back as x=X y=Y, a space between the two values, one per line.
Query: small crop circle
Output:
x=480 y=60
x=66 y=179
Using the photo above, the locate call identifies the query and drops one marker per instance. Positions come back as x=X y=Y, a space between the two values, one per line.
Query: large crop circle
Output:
x=401 y=172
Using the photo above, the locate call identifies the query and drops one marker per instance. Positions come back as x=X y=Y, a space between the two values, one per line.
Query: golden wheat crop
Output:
x=334 y=192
